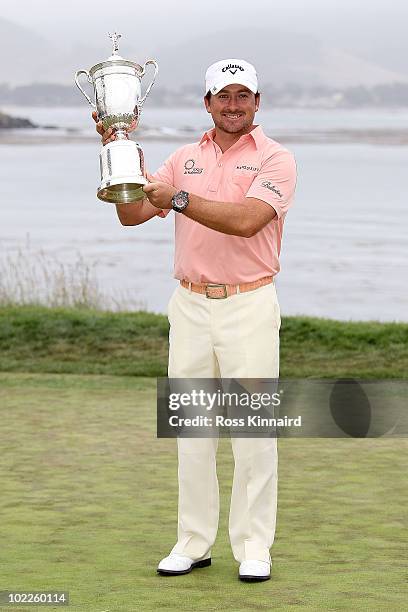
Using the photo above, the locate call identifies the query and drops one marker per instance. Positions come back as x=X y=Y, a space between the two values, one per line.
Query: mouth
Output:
x=233 y=116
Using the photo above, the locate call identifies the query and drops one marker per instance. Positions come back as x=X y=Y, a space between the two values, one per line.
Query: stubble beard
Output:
x=244 y=129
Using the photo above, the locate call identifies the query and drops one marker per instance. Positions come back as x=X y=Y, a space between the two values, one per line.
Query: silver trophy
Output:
x=118 y=103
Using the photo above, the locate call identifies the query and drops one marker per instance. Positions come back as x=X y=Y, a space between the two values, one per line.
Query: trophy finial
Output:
x=114 y=37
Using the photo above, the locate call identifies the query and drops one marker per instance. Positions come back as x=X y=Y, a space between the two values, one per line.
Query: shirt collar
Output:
x=256 y=135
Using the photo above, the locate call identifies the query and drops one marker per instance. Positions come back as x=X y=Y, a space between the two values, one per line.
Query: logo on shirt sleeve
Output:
x=190 y=167
x=271 y=187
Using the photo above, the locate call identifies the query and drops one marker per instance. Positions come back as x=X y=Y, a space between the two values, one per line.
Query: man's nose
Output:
x=233 y=104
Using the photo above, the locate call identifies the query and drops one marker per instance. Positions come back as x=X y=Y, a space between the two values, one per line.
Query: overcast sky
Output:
x=159 y=21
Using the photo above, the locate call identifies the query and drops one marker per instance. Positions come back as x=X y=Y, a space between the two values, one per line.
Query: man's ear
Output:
x=207 y=104
x=257 y=100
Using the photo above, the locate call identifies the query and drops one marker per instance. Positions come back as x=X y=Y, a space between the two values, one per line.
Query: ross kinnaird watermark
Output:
x=222 y=421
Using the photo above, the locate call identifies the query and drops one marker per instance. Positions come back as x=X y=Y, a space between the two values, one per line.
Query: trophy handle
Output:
x=156 y=70
x=78 y=72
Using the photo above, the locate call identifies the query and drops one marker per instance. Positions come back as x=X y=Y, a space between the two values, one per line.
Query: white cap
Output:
x=230 y=72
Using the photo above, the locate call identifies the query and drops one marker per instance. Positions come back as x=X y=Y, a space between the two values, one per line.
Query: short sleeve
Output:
x=165 y=174
x=276 y=181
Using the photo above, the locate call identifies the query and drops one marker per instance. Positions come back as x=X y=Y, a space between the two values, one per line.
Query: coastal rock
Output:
x=7 y=122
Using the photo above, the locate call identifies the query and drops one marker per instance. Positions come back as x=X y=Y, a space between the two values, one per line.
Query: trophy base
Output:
x=122 y=172
x=122 y=190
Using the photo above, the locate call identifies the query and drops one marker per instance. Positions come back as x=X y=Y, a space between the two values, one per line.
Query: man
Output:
x=230 y=192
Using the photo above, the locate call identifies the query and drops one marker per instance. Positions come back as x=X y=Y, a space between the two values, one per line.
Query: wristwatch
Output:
x=180 y=201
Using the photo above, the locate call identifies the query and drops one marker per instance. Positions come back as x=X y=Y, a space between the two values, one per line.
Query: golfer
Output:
x=230 y=192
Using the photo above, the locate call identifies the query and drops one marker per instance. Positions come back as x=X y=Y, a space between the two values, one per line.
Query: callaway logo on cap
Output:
x=230 y=72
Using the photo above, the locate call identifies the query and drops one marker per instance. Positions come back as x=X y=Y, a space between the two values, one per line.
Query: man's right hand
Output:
x=107 y=135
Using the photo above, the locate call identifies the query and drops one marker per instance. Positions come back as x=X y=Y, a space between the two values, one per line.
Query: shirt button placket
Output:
x=215 y=183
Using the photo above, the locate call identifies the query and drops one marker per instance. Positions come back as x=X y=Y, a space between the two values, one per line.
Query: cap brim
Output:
x=218 y=86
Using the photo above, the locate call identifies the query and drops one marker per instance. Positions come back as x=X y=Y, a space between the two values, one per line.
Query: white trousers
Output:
x=235 y=337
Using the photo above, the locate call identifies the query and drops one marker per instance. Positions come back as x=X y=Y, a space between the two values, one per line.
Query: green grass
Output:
x=89 y=503
x=40 y=339
x=51 y=340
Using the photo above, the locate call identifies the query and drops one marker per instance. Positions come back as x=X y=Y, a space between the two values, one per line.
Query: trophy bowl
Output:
x=118 y=102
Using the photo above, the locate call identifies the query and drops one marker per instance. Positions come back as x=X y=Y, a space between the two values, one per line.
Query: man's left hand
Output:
x=159 y=194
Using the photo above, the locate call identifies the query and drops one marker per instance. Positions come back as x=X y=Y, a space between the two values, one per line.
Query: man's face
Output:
x=233 y=109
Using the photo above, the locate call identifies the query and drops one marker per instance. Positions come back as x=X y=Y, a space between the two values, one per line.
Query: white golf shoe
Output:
x=254 y=571
x=175 y=564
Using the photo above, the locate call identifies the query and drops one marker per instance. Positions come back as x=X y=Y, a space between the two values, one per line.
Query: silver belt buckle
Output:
x=216 y=297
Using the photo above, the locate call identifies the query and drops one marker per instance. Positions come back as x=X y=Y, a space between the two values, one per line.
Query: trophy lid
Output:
x=115 y=59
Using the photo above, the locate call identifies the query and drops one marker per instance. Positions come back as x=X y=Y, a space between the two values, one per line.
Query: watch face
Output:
x=180 y=200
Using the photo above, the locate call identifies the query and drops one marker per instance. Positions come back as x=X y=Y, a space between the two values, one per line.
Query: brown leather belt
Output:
x=217 y=291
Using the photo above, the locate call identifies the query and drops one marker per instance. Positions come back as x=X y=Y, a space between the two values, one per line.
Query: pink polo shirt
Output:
x=254 y=167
